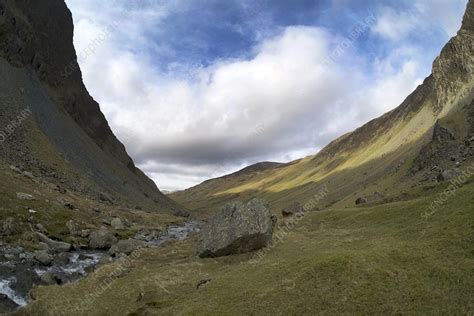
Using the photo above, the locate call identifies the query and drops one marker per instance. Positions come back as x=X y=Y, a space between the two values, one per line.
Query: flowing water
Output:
x=16 y=280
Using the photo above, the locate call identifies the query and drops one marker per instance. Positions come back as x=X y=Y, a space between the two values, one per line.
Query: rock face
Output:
x=237 y=228
x=102 y=239
x=38 y=57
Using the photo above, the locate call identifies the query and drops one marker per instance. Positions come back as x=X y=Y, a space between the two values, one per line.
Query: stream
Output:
x=19 y=272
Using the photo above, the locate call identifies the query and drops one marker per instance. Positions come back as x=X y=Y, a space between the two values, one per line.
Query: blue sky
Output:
x=198 y=89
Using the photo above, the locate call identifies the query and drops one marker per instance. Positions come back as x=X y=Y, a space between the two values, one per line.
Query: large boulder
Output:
x=237 y=228
x=102 y=239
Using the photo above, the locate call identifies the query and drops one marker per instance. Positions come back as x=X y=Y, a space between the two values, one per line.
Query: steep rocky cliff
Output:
x=66 y=138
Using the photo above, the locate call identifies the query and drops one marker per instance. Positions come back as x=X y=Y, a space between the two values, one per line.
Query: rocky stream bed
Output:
x=20 y=270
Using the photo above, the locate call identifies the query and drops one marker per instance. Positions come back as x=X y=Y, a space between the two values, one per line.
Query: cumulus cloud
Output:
x=281 y=101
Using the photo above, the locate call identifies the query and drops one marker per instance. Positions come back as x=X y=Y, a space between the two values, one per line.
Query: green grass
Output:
x=383 y=259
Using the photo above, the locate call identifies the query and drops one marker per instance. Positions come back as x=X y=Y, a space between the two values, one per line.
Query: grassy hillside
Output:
x=376 y=160
x=394 y=258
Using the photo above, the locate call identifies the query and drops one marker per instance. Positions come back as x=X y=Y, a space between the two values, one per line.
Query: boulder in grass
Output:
x=117 y=223
x=237 y=228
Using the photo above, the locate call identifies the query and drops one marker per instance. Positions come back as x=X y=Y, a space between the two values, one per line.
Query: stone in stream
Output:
x=102 y=239
x=126 y=247
x=49 y=278
x=43 y=257
x=237 y=228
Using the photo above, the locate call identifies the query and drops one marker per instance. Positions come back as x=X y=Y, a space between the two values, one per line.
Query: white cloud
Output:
x=422 y=14
x=395 y=25
x=280 y=104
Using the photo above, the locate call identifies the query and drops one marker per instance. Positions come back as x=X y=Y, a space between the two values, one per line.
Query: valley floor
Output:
x=398 y=258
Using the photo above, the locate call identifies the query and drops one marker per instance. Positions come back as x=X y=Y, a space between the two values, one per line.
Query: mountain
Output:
x=406 y=248
x=54 y=132
x=390 y=158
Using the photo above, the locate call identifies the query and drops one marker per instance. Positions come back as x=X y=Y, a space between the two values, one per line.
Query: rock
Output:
x=24 y=196
x=69 y=206
x=39 y=227
x=296 y=207
x=61 y=259
x=15 y=169
x=60 y=189
x=43 y=246
x=105 y=221
x=43 y=257
x=361 y=200
x=6 y=304
x=49 y=278
x=9 y=227
x=447 y=175
x=237 y=228
x=202 y=283
x=73 y=228
x=117 y=223
x=85 y=233
x=441 y=134
x=126 y=247
x=105 y=198
x=56 y=246
x=105 y=260
x=28 y=174
x=101 y=239
x=180 y=213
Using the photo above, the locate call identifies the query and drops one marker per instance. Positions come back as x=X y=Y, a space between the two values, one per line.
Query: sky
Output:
x=197 y=89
